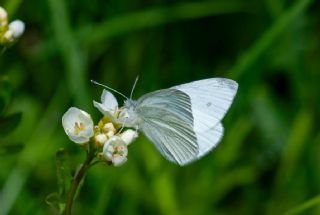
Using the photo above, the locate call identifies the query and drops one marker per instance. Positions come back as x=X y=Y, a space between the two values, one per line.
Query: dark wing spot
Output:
x=209 y=104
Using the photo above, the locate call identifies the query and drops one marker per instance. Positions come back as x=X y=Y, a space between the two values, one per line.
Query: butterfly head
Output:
x=128 y=115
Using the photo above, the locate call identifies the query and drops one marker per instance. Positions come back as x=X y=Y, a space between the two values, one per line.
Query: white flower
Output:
x=115 y=150
x=129 y=136
x=14 y=31
x=78 y=125
x=17 y=27
x=108 y=106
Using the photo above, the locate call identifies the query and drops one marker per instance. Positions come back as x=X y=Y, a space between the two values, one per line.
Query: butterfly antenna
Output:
x=109 y=88
x=122 y=127
x=134 y=86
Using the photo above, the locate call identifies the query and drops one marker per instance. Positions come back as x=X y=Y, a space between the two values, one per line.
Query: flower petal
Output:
x=109 y=104
x=119 y=160
x=108 y=100
x=129 y=136
x=79 y=139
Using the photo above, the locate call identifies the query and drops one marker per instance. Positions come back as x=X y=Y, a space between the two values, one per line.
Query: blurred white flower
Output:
x=10 y=33
x=129 y=136
x=78 y=125
x=3 y=17
x=8 y=36
x=115 y=150
x=17 y=27
x=108 y=106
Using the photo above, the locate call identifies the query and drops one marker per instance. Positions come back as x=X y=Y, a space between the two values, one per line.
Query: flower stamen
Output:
x=78 y=127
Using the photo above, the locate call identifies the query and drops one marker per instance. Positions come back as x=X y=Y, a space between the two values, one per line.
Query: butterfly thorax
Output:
x=128 y=115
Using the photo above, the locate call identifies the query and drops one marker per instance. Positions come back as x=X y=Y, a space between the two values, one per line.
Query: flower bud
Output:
x=109 y=127
x=110 y=134
x=101 y=139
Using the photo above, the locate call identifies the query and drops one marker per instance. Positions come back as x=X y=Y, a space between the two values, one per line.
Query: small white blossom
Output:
x=108 y=106
x=115 y=150
x=78 y=125
x=129 y=136
x=17 y=27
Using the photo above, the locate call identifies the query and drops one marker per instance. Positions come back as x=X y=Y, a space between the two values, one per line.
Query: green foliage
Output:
x=57 y=199
x=8 y=123
x=63 y=173
x=10 y=148
x=5 y=94
x=268 y=161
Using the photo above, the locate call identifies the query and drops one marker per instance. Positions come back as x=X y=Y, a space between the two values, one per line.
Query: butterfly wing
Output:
x=210 y=100
x=166 y=119
x=207 y=140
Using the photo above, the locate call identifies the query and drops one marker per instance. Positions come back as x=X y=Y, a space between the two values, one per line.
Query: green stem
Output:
x=304 y=206
x=76 y=182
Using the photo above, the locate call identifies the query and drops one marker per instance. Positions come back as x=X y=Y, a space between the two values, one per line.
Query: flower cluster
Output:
x=9 y=32
x=108 y=137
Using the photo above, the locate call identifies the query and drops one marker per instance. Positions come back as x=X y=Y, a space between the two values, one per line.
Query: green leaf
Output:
x=5 y=94
x=53 y=200
x=7 y=148
x=57 y=199
x=63 y=173
x=2 y=104
x=9 y=123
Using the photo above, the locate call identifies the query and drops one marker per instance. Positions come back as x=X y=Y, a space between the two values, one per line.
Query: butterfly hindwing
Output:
x=166 y=119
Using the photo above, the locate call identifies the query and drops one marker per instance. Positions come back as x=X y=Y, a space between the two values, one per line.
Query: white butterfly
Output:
x=183 y=122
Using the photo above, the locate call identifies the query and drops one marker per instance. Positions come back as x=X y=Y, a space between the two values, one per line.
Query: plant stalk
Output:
x=76 y=182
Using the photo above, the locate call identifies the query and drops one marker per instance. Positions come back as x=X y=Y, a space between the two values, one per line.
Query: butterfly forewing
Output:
x=166 y=119
x=210 y=99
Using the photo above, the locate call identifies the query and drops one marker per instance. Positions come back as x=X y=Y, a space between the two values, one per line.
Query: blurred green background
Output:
x=268 y=161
